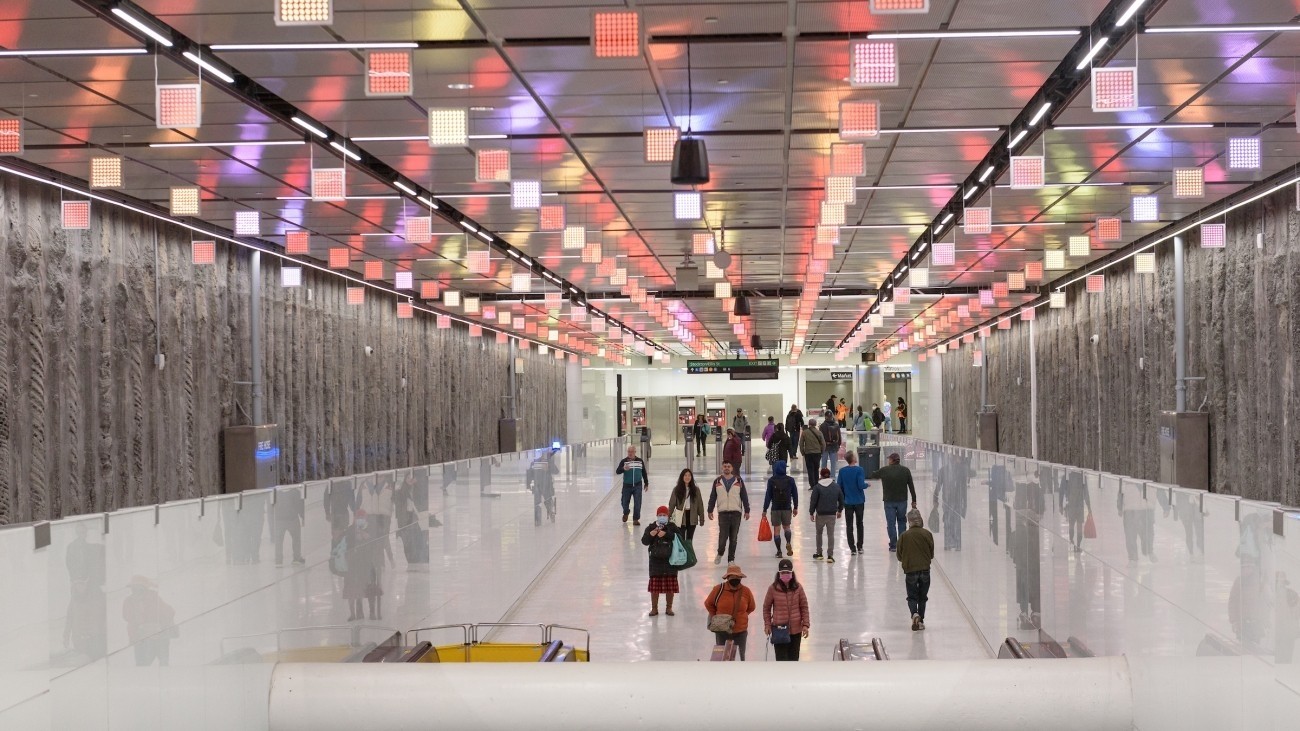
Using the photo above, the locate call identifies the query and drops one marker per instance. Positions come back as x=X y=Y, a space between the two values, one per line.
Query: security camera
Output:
x=371 y=351
x=1094 y=339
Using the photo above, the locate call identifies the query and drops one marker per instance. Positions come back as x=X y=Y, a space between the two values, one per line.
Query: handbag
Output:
x=764 y=530
x=772 y=455
x=780 y=634
x=721 y=622
x=661 y=550
x=1089 y=528
x=678 y=556
x=691 y=560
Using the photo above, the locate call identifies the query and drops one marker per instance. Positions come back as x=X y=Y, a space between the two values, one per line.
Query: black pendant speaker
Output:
x=690 y=162
x=742 y=306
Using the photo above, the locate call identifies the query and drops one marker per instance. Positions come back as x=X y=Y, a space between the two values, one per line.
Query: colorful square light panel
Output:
x=1080 y=246
x=919 y=277
x=829 y=235
x=443 y=322
x=660 y=142
x=1110 y=229
x=711 y=270
x=823 y=252
x=451 y=298
x=1114 y=89
x=248 y=223
x=1189 y=182
x=290 y=276
x=702 y=244
x=1243 y=153
x=405 y=310
x=832 y=214
x=1028 y=172
x=902 y=295
x=1054 y=259
x=619 y=277
x=1095 y=283
x=841 y=189
x=403 y=279
x=977 y=221
x=472 y=305
x=977 y=359
x=75 y=215
x=1000 y=290
x=1028 y=313
x=340 y=257
x=492 y=166
x=203 y=252
x=304 y=12
x=373 y=270
x=873 y=64
x=299 y=242
x=1004 y=323
x=419 y=230
x=1016 y=281
x=1146 y=208
x=616 y=33
x=430 y=290
x=848 y=159
x=388 y=73
x=859 y=119
x=1056 y=300
x=898 y=7
x=550 y=218
x=686 y=205
x=1214 y=235
x=185 y=201
x=525 y=194
x=888 y=309
x=178 y=105
x=521 y=282
x=1145 y=262
x=106 y=172
x=11 y=136
x=574 y=238
x=944 y=254
x=448 y=127
x=327 y=184
x=478 y=261
x=356 y=295
x=592 y=254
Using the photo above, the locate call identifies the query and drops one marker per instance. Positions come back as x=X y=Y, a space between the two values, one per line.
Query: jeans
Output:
x=826 y=524
x=294 y=529
x=790 y=650
x=853 y=515
x=728 y=530
x=918 y=591
x=895 y=521
x=831 y=458
x=720 y=638
x=811 y=461
x=633 y=493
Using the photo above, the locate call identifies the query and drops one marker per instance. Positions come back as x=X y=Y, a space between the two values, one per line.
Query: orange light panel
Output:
x=550 y=218
x=203 y=252
x=11 y=136
x=659 y=143
x=429 y=290
x=75 y=215
x=492 y=166
x=374 y=270
x=1016 y=281
x=848 y=159
x=299 y=243
x=859 y=119
x=1000 y=290
x=405 y=310
x=388 y=73
x=340 y=257
x=1034 y=271
x=898 y=7
x=616 y=34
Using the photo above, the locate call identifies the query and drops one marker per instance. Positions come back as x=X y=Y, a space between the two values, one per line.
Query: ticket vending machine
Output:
x=715 y=410
x=640 y=415
x=622 y=417
x=685 y=411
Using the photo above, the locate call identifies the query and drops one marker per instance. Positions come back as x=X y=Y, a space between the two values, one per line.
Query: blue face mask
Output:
x=662 y=520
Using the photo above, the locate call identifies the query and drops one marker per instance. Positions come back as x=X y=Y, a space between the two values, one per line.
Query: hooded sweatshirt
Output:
x=782 y=492
x=826 y=499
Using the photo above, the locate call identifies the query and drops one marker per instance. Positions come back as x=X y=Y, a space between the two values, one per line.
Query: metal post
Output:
x=618 y=402
x=510 y=399
x=984 y=373
x=1033 y=395
x=1180 y=331
x=255 y=332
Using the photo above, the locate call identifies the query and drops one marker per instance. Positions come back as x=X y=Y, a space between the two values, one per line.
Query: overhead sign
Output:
x=754 y=375
x=734 y=365
x=841 y=375
x=898 y=375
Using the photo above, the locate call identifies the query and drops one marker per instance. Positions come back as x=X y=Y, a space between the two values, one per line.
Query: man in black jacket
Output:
x=793 y=424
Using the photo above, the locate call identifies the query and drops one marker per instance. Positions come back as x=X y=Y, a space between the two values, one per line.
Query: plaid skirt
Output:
x=663 y=585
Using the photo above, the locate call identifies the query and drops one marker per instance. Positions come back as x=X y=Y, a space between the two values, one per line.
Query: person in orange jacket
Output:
x=734 y=599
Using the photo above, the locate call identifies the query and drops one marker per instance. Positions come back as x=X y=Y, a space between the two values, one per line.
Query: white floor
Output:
x=599 y=583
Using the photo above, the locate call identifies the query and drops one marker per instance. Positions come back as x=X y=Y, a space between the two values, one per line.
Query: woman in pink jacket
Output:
x=785 y=608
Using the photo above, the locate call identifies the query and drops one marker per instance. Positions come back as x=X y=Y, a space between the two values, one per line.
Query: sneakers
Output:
x=921 y=625
x=778 y=553
x=853 y=552
x=717 y=559
x=624 y=517
x=817 y=557
x=916 y=622
x=789 y=550
x=893 y=549
x=830 y=559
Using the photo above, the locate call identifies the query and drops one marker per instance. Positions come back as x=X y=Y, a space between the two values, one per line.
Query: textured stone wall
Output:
x=87 y=423
x=1243 y=320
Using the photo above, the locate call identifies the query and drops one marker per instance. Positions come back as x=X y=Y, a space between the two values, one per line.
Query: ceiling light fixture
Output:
x=469 y=226
x=943 y=34
x=216 y=70
x=250 y=143
x=428 y=202
x=1170 y=125
x=1092 y=53
x=987 y=172
x=1016 y=140
x=1130 y=12
x=343 y=149
x=310 y=127
x=9 y=53
x=460 y=86
x=313 y=46
x=1039 y=114
x=404 y=187
x=143 y=27
x=1226 y=29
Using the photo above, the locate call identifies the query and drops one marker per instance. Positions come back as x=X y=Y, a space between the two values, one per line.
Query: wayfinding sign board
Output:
x=745 y=368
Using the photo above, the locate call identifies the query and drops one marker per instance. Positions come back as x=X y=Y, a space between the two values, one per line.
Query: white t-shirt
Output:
x=886 y=407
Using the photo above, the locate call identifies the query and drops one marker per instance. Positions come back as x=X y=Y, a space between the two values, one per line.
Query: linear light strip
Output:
x=254 y=143
x=1290 y=27
x=219 y=72
x=425 y=138
x=12 y=53
x=1164 y=125
x=143 y=27
x=360 y=46
x=1092 y=53
x=942 y=34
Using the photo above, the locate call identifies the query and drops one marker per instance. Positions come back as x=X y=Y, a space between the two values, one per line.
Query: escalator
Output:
x=852 y=652
x=1044 y=648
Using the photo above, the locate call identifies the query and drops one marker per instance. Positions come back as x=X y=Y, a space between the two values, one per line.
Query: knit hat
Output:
x=733 y=572
x=662 y=510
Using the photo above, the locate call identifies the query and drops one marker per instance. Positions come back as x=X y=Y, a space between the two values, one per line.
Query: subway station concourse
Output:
x=350 y=348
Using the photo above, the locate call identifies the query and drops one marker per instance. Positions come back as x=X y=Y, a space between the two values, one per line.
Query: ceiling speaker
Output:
x=688 y=278
x=690 y=162
x=742 y=307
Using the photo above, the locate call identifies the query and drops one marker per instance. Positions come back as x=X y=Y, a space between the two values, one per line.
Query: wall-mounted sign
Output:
x=898 y=375
x=735 y=365
x=841 y=375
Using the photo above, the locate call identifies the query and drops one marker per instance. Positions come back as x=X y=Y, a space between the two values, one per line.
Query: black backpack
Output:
x=781 y=498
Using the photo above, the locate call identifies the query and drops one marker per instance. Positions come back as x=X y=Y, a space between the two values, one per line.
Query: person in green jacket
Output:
x=915 y=552
x=895 y=484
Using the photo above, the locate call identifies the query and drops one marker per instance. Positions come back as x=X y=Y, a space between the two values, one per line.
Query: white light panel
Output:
x=686 y=205
x=448 y=127
x=248 y=223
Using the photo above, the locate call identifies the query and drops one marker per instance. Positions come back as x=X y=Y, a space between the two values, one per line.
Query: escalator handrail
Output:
x=551 y=651
x=878 y=647
x=1016 y=649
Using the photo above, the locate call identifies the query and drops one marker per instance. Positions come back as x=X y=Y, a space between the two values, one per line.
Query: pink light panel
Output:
x=659 y=143
x=403 y=280
x=356 y=295
x=340 y=257
x=898 y=7
x=492 y=166
x=248 y=223
x=405 y=310
x=1243 y=153
x=1000 y=290
x=823 y=252
x=327 y=184
x=1028 y=313
x=986 y=296
x=1214 y=235
x=944 y=254
x=1114 y=89
x=848 y=159
x=373 y=270
x=902 y=295
x=1095 y=283
x=1110 y=229
x=444 y=322
x=702 y=244
x=178 y=106
x=873 y=64
x=419 y=230
x=977 y=221
x=388 y=73
x=616 y=34
x=1028 y=172
x=478 y=261
x=75 y=215
x=1004 y=323
x=11 y=136
x=203 y=252
x=592 y=254
x=550 y=218
x=1189 y=182
x=299 y=243
x=859 y=119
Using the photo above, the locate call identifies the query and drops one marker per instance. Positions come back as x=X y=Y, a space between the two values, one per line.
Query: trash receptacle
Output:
x=869 y=453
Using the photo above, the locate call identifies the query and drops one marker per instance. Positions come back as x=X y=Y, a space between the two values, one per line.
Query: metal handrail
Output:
x=878 y=647
x=550 y=633
x=412 y=636
x=492 y=626
x=1015 y=650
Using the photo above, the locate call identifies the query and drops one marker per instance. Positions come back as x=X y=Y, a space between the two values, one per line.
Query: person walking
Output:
x=732 y=451
x=828 y=409
x=740 y=423
x=778 y=445
x=859 y=421
x=1075 y=505
x=832 y=437
x=887 y=408
x=701 y=436
x=901 y=411
x=825 y=505
x=785 y=613
x=783 y=498
x=729 y=605
x=877 y=416
x=852 y=481
x=915 y=552
x=767 y=430
x=895 y=484
x=635 y=482
x=729 y=497
x=812 y=444
x=793 y=425
x=686 y=498
x=658 y=537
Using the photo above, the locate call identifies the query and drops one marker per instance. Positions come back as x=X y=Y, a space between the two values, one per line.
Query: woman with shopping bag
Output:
x=658 y=538
x=686 y=505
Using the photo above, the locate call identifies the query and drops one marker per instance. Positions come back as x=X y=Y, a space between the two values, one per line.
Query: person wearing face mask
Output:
x=729 y=605
x=786 y=608
x=658 y=538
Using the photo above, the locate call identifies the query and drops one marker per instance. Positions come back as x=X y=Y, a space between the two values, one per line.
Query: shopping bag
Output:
x=764 y=530
x=678 y=556
x=1089 y=528
x=691 y=560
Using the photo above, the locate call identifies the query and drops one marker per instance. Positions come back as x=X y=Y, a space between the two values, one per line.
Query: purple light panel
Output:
x=1214 y=235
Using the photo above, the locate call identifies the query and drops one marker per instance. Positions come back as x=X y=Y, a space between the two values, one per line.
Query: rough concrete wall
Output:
x=1242 y=310
x=88 y=424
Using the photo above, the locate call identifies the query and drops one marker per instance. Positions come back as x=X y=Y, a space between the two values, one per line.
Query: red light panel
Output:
x=551 y=218
x=75 y=215
x=429 y=290
x=340 y=257
x=492 y=166
x=978 y=221
x=1114 y=89
x=659 y=143
x=1214 y=235
x=1189 y=183
x=299 y=243
x=1028 y=171
x=444 y=322
x=203 y=252
x=178 y=106
x=859 y=119
x=388 y=73
x=873 y=64
x=1095 y=283
x=405 y=310
x=327 y=184
x=616 y=34
x=419 y=230
x=356 y=295
x=374 y=270
x=11 y=136
x=1110 y=229
x=848 y=159
x=1000 y=290
x=898 y=7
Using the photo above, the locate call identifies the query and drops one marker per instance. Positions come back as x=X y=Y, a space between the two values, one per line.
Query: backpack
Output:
x=781 y=498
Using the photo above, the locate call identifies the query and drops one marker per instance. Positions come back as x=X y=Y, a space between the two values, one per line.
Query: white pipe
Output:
x=1033 y=395
x=1095 y=694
